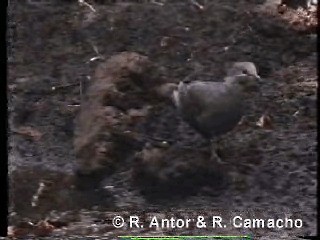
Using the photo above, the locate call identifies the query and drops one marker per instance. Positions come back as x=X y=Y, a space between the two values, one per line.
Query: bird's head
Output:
x=243 y=74
x=243 y=68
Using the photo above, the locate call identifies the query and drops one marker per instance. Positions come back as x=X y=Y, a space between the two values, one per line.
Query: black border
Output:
x=4 y=159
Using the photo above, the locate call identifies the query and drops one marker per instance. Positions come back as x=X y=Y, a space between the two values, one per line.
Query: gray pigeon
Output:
x=214 y=108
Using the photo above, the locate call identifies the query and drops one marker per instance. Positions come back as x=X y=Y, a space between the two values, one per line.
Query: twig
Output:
x=194 y=2
x=64 y=86
x=96 y=50
x=82 y=2
x=35 y=197
x=95 y=58
x=157 y=3
x=80 y=89
x=73 y=105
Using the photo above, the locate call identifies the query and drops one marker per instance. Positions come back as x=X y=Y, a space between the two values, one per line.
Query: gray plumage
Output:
x=214 y=108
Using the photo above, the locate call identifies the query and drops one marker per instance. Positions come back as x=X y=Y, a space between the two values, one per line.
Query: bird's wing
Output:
x=220 y=118
x=208 y=93
x=192 y=97
x=212 y=105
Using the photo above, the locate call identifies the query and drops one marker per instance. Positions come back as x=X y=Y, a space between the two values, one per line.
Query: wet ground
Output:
x=272 y=166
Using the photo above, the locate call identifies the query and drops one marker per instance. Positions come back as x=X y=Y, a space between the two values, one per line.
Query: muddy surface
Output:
x=58 y=51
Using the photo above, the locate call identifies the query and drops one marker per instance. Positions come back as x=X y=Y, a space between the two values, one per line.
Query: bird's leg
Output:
x=215 y=144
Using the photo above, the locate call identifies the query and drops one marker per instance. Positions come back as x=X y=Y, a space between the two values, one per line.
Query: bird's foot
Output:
x=216 y=158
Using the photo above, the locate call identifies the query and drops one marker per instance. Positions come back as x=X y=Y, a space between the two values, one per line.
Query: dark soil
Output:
x=58 y=110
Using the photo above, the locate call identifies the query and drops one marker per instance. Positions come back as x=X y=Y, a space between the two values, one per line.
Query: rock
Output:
x=114 y=102
x=121 y=65
x=108 y=127
x=120 y=75
x=166 y=90
x=159 y=176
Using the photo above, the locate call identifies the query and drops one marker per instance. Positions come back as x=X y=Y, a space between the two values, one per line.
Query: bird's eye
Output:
x=245 y=71
x=186 y=81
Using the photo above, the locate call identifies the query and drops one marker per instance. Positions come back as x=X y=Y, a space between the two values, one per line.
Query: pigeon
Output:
x=215 y=108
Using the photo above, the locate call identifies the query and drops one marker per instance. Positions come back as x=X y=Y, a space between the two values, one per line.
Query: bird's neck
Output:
x=233 y=87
